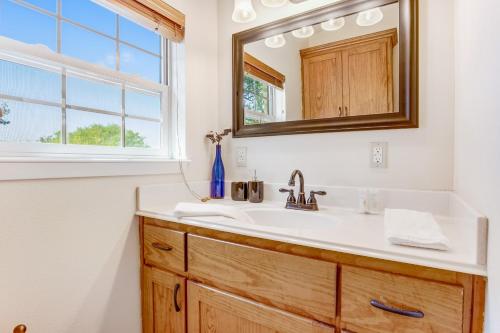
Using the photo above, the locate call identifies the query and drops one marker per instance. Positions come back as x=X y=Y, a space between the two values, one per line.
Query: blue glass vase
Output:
x=217 y=183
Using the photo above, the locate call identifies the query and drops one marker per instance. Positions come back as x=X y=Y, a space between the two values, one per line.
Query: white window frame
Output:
x=166 y=158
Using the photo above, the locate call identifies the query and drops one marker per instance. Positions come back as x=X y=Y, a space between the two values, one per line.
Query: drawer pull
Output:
x=162 y=246
x=407 y=313
x=176 y=292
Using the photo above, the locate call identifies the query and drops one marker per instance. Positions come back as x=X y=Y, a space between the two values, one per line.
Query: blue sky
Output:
x=34 y=27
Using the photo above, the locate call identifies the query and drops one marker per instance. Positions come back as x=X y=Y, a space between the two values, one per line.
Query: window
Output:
x=263 y=102
x=79 y=78
x=263 y=92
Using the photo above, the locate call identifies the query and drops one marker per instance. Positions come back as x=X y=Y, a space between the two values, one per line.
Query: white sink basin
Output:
x=290 y=219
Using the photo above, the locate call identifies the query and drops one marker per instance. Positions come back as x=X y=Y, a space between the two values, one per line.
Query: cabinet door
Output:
x=163 y=302
x=214 y=311
x=367 y=79
x=322 y=88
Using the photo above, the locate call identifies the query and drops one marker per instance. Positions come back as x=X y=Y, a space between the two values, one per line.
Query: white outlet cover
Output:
x=241 y=156
x=378 y=155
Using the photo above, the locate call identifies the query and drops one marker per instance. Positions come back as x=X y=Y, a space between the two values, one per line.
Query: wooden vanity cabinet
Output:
x=198 y=280
x=353 y=77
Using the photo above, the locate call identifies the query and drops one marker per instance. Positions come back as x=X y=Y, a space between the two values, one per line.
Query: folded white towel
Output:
x=188 y=209
x=412 y=228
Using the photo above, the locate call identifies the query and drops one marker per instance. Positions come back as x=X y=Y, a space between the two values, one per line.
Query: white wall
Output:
x=477 y=139
x=418 y=158
x=69 y=248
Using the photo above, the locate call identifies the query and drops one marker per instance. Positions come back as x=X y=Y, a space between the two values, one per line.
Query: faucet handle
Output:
x=291 y=196
x=312 y=198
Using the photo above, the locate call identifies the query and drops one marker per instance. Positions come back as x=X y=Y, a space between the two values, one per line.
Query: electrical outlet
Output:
x=241 y=156
x=378 y=155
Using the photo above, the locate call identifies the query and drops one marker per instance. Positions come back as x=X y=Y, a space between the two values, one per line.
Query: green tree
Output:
x=99 y=135
x=4 y=111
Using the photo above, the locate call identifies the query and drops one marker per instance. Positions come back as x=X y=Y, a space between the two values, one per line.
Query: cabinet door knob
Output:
x=387 y=308
x=346 y=111
x=340 y=111
x=20 y=329
x=176 y=292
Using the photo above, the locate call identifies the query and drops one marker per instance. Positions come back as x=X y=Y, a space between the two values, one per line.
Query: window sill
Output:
x=51 y=167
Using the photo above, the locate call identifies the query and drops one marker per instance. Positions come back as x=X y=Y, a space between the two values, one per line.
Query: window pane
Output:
x=88 y=46
x=139 y=36
x=93 y=94
x=134 y=61
x=261 y=88
x=50 y=5
x=262 y=105
x=142 y=104
x=29 y=82
x=25 y=122
x=141 y=133
x=14 y=21
x=88 y=128
x=249 y=104
x=91 y=15
x=248 y=83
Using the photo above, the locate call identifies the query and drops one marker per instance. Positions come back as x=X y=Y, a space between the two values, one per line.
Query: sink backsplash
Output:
x=444 y=203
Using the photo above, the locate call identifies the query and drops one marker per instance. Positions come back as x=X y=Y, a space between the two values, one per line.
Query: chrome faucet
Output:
x=300 y=202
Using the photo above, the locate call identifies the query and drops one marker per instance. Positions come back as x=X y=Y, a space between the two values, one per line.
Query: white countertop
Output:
x=352 y=233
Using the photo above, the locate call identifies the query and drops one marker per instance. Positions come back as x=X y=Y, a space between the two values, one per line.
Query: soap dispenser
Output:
x=255 y=189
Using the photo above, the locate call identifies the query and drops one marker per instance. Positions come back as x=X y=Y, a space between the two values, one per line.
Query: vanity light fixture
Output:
x=369 y=17
x=243 y=11
x=275 y=42
x=303 y=32
x=274 y=3
x=333 y=24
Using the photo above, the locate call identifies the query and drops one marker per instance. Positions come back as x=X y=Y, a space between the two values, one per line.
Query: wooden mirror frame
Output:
x=407 y=117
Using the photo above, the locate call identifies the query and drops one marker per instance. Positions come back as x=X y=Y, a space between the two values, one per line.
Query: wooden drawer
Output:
x=164 y=248
x=364 y=292
x=299 y=285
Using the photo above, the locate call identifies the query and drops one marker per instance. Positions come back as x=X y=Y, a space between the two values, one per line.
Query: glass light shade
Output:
x=333 y=24
x=303 y=32
x=243 y=11
x=275 y=41
x=274 y=3
x=369 y=17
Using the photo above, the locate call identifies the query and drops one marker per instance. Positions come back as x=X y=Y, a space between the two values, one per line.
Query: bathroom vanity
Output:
x=297 y=272
x=196 y=280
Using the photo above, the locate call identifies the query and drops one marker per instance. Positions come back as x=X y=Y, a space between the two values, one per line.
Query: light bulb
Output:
x=333 y=24
x=303 y=32
x=274 y=3
x=275 y=42
x=369 y=17
x=243 y=11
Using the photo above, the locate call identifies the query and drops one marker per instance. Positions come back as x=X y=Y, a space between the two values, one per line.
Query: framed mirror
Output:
x=348 y=66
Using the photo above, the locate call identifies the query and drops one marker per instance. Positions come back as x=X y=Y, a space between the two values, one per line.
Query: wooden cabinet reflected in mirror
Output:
x=349 y=78
x=348 y=66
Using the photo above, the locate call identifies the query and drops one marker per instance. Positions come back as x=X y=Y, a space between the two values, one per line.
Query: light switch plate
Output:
x=241 y=156
x=378 y=155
